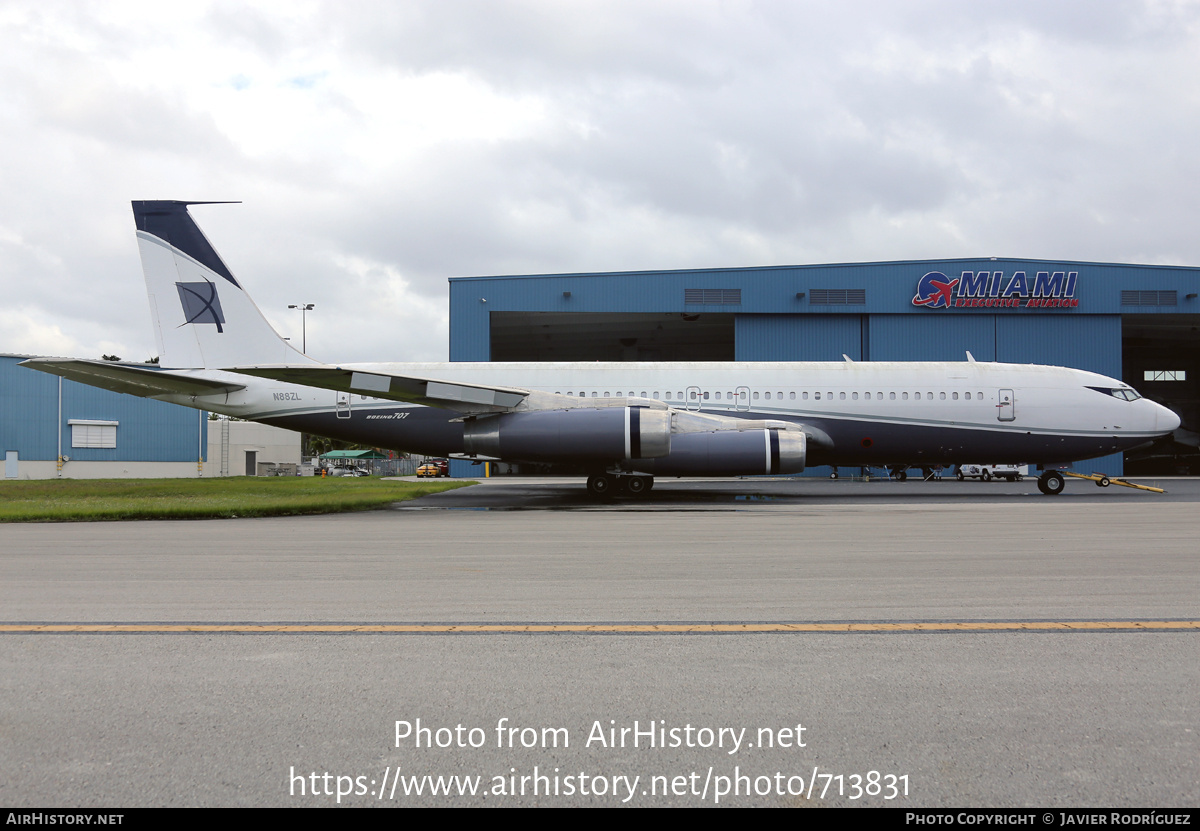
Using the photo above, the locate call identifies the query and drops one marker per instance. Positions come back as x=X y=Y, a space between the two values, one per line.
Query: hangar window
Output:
x=1164 y=375
x=85 y=433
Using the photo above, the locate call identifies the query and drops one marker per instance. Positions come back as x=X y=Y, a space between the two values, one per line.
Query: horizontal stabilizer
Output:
x=132 y=380
x=432 y=392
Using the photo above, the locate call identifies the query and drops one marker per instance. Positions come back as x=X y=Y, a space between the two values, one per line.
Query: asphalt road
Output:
x=1093 y=703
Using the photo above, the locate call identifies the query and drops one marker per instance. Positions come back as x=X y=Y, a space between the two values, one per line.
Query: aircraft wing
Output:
x=130 y=379
x=479 y=399
x=431 y=392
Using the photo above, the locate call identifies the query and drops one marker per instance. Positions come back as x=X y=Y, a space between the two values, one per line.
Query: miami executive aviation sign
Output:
x=990 y=289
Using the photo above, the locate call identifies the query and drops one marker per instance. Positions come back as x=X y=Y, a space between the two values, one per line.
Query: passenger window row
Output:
x=792 y=396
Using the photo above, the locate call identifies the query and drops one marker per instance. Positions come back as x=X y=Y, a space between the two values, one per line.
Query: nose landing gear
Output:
x=1051 y=483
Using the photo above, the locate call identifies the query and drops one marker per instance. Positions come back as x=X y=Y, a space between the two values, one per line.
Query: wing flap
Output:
x=131 y=380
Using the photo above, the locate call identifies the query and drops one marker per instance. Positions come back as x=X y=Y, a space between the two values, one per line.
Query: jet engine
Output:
x=606 y=434
x=731 y=453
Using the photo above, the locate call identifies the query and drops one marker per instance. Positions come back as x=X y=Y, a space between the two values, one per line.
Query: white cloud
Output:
x=415 y=141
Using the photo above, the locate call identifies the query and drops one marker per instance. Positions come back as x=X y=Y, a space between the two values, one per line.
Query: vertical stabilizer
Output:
x=203 y=318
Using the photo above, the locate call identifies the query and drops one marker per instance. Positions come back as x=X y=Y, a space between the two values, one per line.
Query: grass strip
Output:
x=90 y=500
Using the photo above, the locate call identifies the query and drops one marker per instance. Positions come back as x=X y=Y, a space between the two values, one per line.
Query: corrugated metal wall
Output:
x=148 y=431
x=933 y=337
x=824 y=337
x=1091 y=342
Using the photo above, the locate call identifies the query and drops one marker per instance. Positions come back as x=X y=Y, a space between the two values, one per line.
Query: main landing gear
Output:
x=608 y=485
x=1051 y=483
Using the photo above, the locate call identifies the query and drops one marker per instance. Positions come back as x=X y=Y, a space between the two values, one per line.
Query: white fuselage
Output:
x=872 y=411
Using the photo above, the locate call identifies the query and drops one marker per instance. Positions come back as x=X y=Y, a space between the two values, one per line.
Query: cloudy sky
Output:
x=379 y=148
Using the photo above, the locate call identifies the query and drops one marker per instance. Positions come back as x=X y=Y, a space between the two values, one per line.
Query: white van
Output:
x=1013 y=473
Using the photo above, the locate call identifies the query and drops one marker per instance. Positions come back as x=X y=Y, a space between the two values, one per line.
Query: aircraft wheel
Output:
x=987 y=476
x=959 y=476
x=635 y=485
x=602 y=485
x=833 y=475
x=902 y=475
x=1051 y=483
x=1103 y=482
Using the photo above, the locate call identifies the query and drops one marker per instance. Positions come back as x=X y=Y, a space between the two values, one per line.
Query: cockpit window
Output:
x=1124 y=393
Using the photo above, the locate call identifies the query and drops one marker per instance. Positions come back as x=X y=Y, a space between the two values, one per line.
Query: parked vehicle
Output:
x=433 y=468
x=1013 y=473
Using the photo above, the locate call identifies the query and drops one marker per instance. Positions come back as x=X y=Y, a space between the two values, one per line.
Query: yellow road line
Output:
x=593 y=628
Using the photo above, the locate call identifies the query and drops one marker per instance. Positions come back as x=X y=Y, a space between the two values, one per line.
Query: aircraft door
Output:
x=693 y=398
x=1006 y=408
x=343 y=405
x=742 y=402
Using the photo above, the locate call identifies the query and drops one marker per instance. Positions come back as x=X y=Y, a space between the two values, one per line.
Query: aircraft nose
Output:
x=1166 y=421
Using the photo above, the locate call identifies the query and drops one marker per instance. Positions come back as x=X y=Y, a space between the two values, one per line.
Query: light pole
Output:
x=304 y=309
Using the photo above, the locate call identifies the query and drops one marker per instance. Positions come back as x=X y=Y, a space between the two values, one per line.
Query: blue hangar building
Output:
x=51 y=427
x=1139 y=323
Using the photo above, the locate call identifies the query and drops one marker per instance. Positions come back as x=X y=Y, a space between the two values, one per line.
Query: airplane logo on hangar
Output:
x=990 y=289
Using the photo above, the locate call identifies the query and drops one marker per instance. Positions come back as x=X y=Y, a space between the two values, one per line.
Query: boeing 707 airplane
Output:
x=623 y=422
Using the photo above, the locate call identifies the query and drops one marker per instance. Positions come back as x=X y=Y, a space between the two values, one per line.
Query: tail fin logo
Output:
x=200 y=303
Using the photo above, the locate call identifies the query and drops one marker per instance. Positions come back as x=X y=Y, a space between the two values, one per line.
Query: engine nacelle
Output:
x=604 y=434
x=731 y=453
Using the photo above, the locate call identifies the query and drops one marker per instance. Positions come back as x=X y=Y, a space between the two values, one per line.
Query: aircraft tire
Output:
x=1051 y=483
x=987 y=476
x=833 y=475
x=602 y=485
x=635 y=485
x=901 y=475
x=959 y=476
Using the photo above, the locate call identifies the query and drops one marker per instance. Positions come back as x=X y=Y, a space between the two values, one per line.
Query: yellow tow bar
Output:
x=1104 y=481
